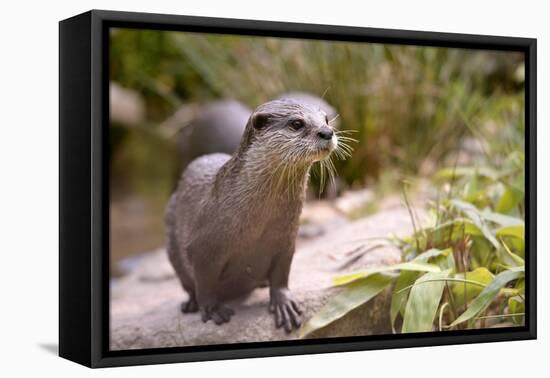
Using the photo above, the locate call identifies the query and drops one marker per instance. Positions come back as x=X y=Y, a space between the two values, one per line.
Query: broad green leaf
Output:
x=423 y=302
x=509 y=200
x=501 y=219
x=516 y=305
x=445 y=260
x=458 y=223
x=521 y=285
x=399 y=296
x=464 y=292
x=425 y=256
x=351 y=297
x=463 y=228
x=484 y=299
x=516 y=260
x=407 y=278
x=475 y=216
x=412 y=265
x=509 y=292
x=517 y=231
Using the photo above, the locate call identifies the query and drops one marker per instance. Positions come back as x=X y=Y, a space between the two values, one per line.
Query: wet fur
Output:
x=232 y=222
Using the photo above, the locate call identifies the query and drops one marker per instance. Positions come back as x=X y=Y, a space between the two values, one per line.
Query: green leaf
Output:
x=407 y=278
x=513 y=231
x=509 y=200
x=464 y=292
x=516 y=305
x=352 y=296
x=458 y=223
x=399 y=296
x=484 y=299
x=521 y=285
x=516 y=260
x=476 y=217
x=449 y=173
x=423 y=302
x=501 y=219
x=431 y=253
x=412 y=265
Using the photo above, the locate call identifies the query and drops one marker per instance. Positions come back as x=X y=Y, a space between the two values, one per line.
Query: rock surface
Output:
x=145 y=304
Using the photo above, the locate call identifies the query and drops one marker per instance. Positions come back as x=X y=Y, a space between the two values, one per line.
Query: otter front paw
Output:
x=286 y=310
x=217 y=312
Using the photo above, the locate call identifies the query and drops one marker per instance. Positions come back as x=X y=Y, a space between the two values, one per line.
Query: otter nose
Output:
x=326 y=133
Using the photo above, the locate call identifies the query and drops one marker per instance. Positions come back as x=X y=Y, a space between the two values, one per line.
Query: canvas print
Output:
x=267 y=189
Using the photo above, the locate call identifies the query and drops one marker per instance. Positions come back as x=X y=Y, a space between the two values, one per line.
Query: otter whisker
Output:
x=347 y=139
x=325 y=92
x=345 y=147
x=322 y=178
x=344 y=150
x=331 y=169
x=338 y=132
x=334 y=119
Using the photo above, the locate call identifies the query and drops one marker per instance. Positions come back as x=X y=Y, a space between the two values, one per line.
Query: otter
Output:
x=232 y=222
x=219 y=125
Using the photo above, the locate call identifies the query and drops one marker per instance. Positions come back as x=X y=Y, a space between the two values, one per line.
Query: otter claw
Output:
x=287 y=313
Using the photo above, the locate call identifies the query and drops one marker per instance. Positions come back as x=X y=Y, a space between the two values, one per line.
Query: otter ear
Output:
x=260 y=120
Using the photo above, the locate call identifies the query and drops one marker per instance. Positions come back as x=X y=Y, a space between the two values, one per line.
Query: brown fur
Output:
x=232 y=222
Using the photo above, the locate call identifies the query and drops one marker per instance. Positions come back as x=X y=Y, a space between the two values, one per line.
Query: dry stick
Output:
x=356 y=254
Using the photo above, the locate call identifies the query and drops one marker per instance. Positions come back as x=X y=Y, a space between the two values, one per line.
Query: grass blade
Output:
x=514 y=231
x=484 y=299
x=351 y=297
x=406 y=279
x=423 y=302
x=477 y=218
x=412 y=265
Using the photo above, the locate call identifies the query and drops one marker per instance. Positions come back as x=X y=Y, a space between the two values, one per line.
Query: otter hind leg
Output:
x=190 y=305
x=216 y=312
x=175 y=256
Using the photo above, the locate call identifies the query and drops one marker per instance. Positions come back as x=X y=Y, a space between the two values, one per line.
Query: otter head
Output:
x=290 y=132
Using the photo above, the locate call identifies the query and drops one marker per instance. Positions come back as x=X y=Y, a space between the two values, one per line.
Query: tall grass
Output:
x=410 y=105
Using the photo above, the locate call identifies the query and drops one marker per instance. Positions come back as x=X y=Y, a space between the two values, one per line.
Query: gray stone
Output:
x=145 y=306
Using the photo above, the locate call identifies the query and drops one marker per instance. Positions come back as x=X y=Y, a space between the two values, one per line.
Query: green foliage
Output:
x=412 y=266
x=465 y=291
x=413 y=109
x=423 y=302
x=351 y=297
x=410 y=105
x=465 y=268
x=484 y=299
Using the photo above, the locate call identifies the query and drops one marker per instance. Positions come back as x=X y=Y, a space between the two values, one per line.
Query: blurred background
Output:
x=417 y=112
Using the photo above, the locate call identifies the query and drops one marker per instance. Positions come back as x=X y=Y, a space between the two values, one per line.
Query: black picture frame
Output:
x=84 y=188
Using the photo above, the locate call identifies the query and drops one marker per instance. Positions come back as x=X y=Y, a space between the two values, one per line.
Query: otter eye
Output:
x=326 y=119
x=297 y=124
